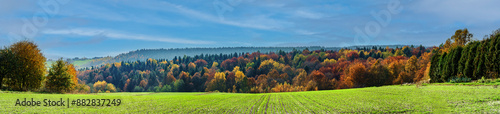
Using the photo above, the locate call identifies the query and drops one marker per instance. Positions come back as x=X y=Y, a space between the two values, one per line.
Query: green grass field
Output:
x=386 y=99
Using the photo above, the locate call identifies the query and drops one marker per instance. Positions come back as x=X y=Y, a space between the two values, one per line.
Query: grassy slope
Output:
x=387 y=99
x=77 y=63
x=80 y=62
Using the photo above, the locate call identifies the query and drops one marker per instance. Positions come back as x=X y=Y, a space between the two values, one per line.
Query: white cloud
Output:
x=118 y=35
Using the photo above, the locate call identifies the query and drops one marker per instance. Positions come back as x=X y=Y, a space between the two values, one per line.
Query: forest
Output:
x=297 y=70
x=460 y=59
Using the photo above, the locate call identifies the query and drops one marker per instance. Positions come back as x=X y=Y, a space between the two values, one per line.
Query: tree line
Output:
x=463 y=59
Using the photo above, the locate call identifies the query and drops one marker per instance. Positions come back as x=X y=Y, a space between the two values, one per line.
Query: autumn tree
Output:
x=170 y=78
x=322 y=82
x=25 y=66
x=238 y=74
x=200 y=63
x=218 y=83
x=100 y=86
x=72 y=73
x=461 y=37
x=110 y=88
x=300 y=79
x=358 y=74
x=352 y=55
x=411 y=68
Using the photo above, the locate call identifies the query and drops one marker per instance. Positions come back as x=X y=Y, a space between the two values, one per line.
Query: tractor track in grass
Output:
x=258 y=101
x=234 y=109
x=280 y=100
x=302 y=104
x=316 y=102
x=208 y=104
x=267 y=103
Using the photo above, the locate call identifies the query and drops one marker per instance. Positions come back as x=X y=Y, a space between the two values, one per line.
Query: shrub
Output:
x=166 y=88
x=138 y=89
x=483 y=80
x=459 y=79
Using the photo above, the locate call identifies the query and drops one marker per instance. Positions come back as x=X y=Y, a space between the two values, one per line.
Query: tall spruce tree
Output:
x=434 y=68
x=469 y=67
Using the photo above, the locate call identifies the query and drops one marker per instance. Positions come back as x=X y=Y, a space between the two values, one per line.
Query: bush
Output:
x=138 y=89
x=483 y=80
x=166 y=88
x=459 y=79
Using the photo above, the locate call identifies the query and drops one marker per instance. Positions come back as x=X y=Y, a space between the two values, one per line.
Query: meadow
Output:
x=386 y=99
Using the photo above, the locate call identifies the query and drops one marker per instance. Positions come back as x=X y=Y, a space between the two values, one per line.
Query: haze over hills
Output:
x=169 y=54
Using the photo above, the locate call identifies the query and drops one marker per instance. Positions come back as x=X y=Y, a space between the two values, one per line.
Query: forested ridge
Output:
x=144 y=54
x=297 y=70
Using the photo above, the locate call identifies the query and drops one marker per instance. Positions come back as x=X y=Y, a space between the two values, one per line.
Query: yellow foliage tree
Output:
x=72 y=72
x=218 y=83
x=100 y=86
x=110 y=87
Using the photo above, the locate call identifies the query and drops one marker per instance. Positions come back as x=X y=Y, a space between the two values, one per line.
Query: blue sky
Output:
x=71 y=28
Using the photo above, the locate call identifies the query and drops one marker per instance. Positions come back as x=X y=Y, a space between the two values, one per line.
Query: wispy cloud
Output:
x=256 y=21
x=119 y=35
x=308 y=14
x=305 y=32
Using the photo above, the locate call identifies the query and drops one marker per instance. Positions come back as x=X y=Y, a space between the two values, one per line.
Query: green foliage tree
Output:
x=451 y=63
x=463 y=60
x=7 y=61
x=479 y=61
x=492 y=56
x=59 y=79
x=469 y=66
x=379 y=75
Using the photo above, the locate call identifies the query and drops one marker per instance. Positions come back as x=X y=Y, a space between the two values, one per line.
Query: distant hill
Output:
x=143 y=54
